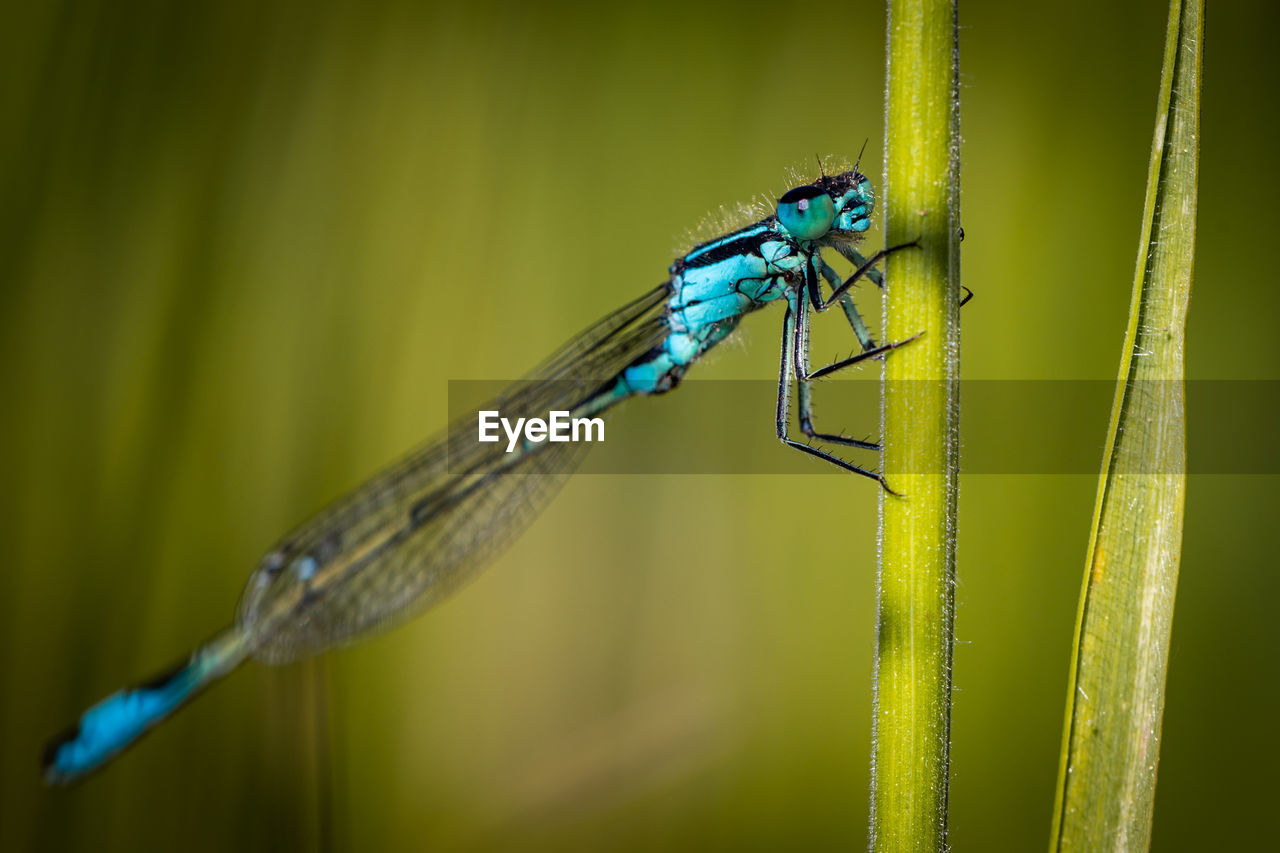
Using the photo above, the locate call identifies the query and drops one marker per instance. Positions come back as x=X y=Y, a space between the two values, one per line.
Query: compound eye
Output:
x=807 y=212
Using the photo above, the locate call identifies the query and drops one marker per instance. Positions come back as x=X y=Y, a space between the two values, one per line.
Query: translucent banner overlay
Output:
x=1007 y=426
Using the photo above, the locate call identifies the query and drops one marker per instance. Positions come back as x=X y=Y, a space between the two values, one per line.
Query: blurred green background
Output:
x=244 y=247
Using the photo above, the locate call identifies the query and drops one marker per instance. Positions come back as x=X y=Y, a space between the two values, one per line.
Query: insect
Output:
x=418 y=530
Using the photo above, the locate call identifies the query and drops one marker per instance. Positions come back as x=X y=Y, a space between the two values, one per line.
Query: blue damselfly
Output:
x=415 y=532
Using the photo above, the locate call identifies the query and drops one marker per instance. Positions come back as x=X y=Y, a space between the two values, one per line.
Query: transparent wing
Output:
x=419 y=530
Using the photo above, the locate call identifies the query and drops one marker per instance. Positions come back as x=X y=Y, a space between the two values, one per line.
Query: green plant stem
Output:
x=1115 y=701
x=919 y=424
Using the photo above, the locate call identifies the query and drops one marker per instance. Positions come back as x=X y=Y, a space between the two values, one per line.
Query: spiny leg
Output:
x=805 y=394
x=869 y=349
x=854 y=257
x=840 y=292
x=803 y=376
x=784 y=376
x=800 y=363
x=864 y=269
x=846 y=302
x=877 y=278
x=874 y=352
x=800 y=340
x=785 y=370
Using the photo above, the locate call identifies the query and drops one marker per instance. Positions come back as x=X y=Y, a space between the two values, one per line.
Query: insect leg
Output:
x=877 y=277
x=846 y=301
x=788 y=366
x=800 y=358
x=864 y=269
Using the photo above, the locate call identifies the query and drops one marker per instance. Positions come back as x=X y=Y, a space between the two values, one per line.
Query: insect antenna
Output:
x=858 y=162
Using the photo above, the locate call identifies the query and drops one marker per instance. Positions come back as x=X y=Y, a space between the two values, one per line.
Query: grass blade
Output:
x=919 y=424
x=1115 y=704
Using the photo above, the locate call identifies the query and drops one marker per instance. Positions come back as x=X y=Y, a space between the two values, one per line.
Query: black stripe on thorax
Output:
x=746 y=245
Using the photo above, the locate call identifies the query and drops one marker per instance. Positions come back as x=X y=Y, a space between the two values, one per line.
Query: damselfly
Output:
x=415 y=532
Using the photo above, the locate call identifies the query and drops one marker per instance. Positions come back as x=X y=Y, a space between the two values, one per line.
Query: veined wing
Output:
x=417 y=531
